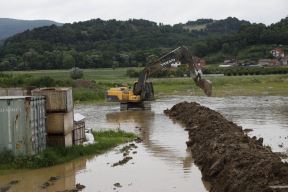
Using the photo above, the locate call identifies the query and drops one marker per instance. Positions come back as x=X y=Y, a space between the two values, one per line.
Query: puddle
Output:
x=161 y=162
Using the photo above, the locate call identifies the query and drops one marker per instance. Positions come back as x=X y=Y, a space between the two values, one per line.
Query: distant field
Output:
x=90 y=74
x=222 y=85
x=226 y=86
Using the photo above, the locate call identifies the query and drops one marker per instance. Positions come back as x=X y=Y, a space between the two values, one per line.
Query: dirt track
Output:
x=229 y=159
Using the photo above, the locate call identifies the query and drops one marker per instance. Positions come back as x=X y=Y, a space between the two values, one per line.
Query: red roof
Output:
x=280 y=50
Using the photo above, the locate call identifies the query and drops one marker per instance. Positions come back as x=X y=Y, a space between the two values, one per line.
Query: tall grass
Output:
x=106 y=140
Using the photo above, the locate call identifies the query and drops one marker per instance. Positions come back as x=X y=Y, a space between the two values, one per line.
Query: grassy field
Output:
x=102 y=74
x=226 y=86
x=222 y=85
x=106 y=140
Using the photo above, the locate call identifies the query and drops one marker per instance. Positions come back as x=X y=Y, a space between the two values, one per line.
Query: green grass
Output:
x=104 y=79
x=106 y=140
x=86 y=94
x=226 y=86
x=251 y=85
x=89 y=74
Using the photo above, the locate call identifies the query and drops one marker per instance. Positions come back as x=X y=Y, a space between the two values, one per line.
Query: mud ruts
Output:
x=229 y=159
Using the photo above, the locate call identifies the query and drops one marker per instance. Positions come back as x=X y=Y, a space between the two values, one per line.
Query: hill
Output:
x=98 y=43
x=9 y=27
x=223 y=26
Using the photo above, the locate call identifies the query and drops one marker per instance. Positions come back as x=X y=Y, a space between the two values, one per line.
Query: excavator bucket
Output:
x=205 y=85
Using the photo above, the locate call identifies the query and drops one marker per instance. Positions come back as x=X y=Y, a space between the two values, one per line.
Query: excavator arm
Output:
x=180 y=54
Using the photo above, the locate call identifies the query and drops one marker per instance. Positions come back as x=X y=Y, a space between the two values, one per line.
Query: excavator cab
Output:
x=129 y=100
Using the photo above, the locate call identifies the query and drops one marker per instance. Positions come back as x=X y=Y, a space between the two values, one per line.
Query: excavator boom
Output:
x=182 y=55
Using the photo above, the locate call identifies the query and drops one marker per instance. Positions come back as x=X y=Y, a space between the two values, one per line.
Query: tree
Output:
x=68 y=60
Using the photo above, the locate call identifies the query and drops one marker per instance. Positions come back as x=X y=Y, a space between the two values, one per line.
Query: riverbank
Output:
x=227 y=157
x=105 y=140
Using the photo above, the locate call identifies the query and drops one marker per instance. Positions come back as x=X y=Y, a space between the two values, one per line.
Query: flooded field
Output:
x=161 y=162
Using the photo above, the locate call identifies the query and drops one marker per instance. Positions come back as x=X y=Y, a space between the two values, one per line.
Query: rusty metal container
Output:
x=60 y=123
x=59 y=140
x=57 y=99
x=78 y=133
x=13 y=91
x=23 y=124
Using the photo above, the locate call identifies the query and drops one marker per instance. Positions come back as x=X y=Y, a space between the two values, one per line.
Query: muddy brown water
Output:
x=162 y=162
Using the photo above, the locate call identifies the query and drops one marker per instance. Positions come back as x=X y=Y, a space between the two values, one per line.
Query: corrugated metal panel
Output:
x=60 y=140
x=12 y=117
x=57 y=99
x=60 y=123
x=37 y=125
x=23 y=126
x=78 y=132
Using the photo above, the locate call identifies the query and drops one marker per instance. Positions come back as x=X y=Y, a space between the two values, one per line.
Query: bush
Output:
x=45 y=81
x=246 y=70
x=76 y=73
x=132 y=73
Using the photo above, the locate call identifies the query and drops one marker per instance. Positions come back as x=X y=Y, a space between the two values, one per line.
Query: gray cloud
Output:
x=166 y=11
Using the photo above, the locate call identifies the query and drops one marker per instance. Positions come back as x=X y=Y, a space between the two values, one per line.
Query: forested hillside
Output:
x=97 y=43
x=9 y=27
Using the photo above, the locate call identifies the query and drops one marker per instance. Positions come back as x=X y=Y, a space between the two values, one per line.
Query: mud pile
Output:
x=229 y=159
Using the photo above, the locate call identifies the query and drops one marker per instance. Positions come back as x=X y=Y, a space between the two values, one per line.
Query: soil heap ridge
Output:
x=229 y=159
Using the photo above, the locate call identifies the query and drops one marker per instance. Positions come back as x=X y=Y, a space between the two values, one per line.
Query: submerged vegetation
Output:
x=105 y=140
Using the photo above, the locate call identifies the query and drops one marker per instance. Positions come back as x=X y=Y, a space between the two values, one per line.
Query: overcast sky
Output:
x=165 y=11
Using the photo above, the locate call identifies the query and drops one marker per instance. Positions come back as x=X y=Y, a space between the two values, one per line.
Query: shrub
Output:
x=132 y=73
x=45 y=81
x=76 y=73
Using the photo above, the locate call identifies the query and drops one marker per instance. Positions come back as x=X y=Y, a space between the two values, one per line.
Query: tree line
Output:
x=97 y=43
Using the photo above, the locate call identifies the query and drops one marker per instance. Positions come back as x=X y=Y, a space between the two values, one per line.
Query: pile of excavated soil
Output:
x=229 y=159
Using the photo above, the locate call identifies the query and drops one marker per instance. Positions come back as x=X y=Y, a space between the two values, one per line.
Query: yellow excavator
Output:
x=143 y=92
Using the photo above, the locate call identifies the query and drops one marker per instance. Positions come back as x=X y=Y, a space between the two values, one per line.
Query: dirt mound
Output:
x=229 y=159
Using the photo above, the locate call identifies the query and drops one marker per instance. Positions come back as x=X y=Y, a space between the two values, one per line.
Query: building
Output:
x=284 y=61
x=229 y=63
x=265 y=62
x=277 y=52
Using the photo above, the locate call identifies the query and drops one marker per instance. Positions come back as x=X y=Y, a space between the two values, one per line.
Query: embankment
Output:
x=229 y=159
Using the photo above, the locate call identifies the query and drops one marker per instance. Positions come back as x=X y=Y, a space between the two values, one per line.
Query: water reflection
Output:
x=163 y=141
x=34 y=180
x=157 y=143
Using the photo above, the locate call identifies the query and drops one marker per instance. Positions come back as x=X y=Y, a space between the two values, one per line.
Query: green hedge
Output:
x=238 y=71
x=176 y=72
x=229 y=71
